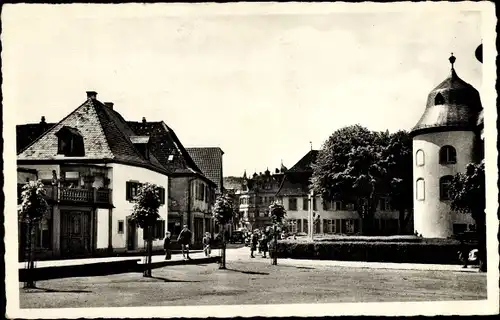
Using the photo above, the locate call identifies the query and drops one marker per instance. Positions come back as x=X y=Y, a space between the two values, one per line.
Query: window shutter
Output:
x=128 y=191
x=161 y=234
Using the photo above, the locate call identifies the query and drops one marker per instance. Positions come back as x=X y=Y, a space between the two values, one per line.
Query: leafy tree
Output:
x=398 y=161
x=222 y=213
x=350 y=168
x=32 y=211
x=277 y=213
x=145 y=213
x=467 y=193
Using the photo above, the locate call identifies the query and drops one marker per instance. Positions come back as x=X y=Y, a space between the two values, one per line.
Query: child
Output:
x=166 y=246
x=206 y=244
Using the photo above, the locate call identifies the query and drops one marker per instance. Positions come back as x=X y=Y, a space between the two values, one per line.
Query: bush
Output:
x=438 y=251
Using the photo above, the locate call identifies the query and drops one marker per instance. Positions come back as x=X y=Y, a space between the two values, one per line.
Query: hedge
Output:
x=433 y=251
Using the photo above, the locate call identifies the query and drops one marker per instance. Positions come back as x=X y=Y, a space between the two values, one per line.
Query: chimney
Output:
x=109 y=104
x=91 y=95
x=43 y=120
x=143 y=119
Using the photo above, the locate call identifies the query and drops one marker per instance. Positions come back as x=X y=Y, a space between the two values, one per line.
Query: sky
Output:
x=259 y=86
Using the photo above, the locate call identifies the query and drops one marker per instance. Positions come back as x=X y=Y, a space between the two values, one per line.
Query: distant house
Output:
x=191 y=191
x=92 y=164
x=334 y=216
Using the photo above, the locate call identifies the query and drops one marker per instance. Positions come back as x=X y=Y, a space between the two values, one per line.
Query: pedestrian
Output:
x=166 y=246
x=254 y=239
x=185 y=239
x=263 y=245
x=206 y=244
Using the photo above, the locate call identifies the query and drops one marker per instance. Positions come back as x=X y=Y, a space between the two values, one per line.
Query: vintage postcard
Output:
x=250 y=159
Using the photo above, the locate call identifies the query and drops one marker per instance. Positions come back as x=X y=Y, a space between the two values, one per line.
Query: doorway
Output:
x=131 y=234
x=75 y=233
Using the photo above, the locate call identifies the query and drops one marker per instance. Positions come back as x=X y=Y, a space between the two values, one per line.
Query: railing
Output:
x=93 y=195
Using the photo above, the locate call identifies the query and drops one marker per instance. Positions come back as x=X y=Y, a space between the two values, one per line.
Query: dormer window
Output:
x=70 y=142
x=171 y=157
x=141 y=143
x=439 y=99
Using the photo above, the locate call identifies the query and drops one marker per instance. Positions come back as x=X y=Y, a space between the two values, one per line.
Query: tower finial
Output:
x=310 y=142
x=452 y=60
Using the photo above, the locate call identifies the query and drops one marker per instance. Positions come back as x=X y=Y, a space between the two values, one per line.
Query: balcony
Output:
x=91 y=196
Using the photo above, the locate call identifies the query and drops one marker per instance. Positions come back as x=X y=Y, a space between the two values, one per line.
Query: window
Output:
x=420 y=189
x=325 y=226
x=305 y=204
x=158 y=231
x=170 y=157
x=162 y=195
x=70 y=142
x=292 y=204
x=132 y=189
x=314 y=204
x=306 y=225
x=259 y=200
x=459 y=228
x=338 y=205
x=271 y=200
x=447 y=155
x=439 y=99
x=444 y=187
x=121 y=224
x=419 y=158
x=299 y=225
x=202 y=192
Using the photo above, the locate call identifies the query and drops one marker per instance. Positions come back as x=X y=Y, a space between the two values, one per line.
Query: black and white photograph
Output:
x=250 y=159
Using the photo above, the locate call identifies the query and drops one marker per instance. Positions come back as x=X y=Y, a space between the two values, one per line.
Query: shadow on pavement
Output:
x=171 y=280
x=249 y=272
x=43 y=290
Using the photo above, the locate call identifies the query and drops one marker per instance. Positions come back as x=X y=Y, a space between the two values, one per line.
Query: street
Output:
x=255 y=281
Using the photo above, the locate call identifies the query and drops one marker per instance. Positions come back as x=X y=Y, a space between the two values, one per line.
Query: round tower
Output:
x=443 y=144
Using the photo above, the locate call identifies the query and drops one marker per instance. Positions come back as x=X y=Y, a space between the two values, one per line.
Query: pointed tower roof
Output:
x=106 y=137
x=452 y=105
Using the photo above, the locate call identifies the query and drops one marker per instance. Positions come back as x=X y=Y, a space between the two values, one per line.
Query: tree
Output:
x=467 y=193
x=277 y=213
x=222 y=213
x=350 y=168
x=398 y=161
x=145 y=214
x=32 y=211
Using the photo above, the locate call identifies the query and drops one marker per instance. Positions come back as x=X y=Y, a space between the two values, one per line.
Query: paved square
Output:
x=255 y=282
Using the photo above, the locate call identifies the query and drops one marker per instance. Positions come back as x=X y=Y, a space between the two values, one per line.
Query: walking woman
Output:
x=263 y=244
x=254 y=240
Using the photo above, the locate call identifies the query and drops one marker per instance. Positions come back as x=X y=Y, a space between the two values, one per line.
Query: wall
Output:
x=44 y=170
x=123 y=208
x=432 y=217
x=102 y=216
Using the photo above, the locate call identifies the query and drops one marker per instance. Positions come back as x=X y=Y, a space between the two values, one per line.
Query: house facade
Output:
x=191 y=192
x=330 y=217
x=91 y=163
x=448 y=136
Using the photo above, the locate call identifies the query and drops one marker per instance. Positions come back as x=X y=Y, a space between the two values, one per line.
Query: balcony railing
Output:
x=78 y=195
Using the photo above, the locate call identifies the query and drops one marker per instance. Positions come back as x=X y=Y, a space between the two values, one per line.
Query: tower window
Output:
x=420 y=188
x=444 y=187
x=447 y=155
x=439 y=99
x=419 y=157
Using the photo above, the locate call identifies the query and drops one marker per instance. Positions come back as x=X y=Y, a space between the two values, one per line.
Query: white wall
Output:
x=123 y=208
x=433 y=218
x=102 y=216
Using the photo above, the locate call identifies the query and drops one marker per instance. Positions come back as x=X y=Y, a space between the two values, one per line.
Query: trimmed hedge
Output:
x=433 y=251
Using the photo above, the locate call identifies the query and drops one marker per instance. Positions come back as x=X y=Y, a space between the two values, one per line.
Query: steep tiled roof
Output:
x=296 y=181
x=209 y=160
x=233 y=183
x=166 y=146
x=27 y=133
x=105 y=133
x=305 y=164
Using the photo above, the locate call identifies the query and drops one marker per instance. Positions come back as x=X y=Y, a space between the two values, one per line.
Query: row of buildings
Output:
x=448 y=136
x=92 y=163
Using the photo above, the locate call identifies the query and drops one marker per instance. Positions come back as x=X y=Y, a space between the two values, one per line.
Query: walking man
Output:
x=185 y=239
x=254 y=239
